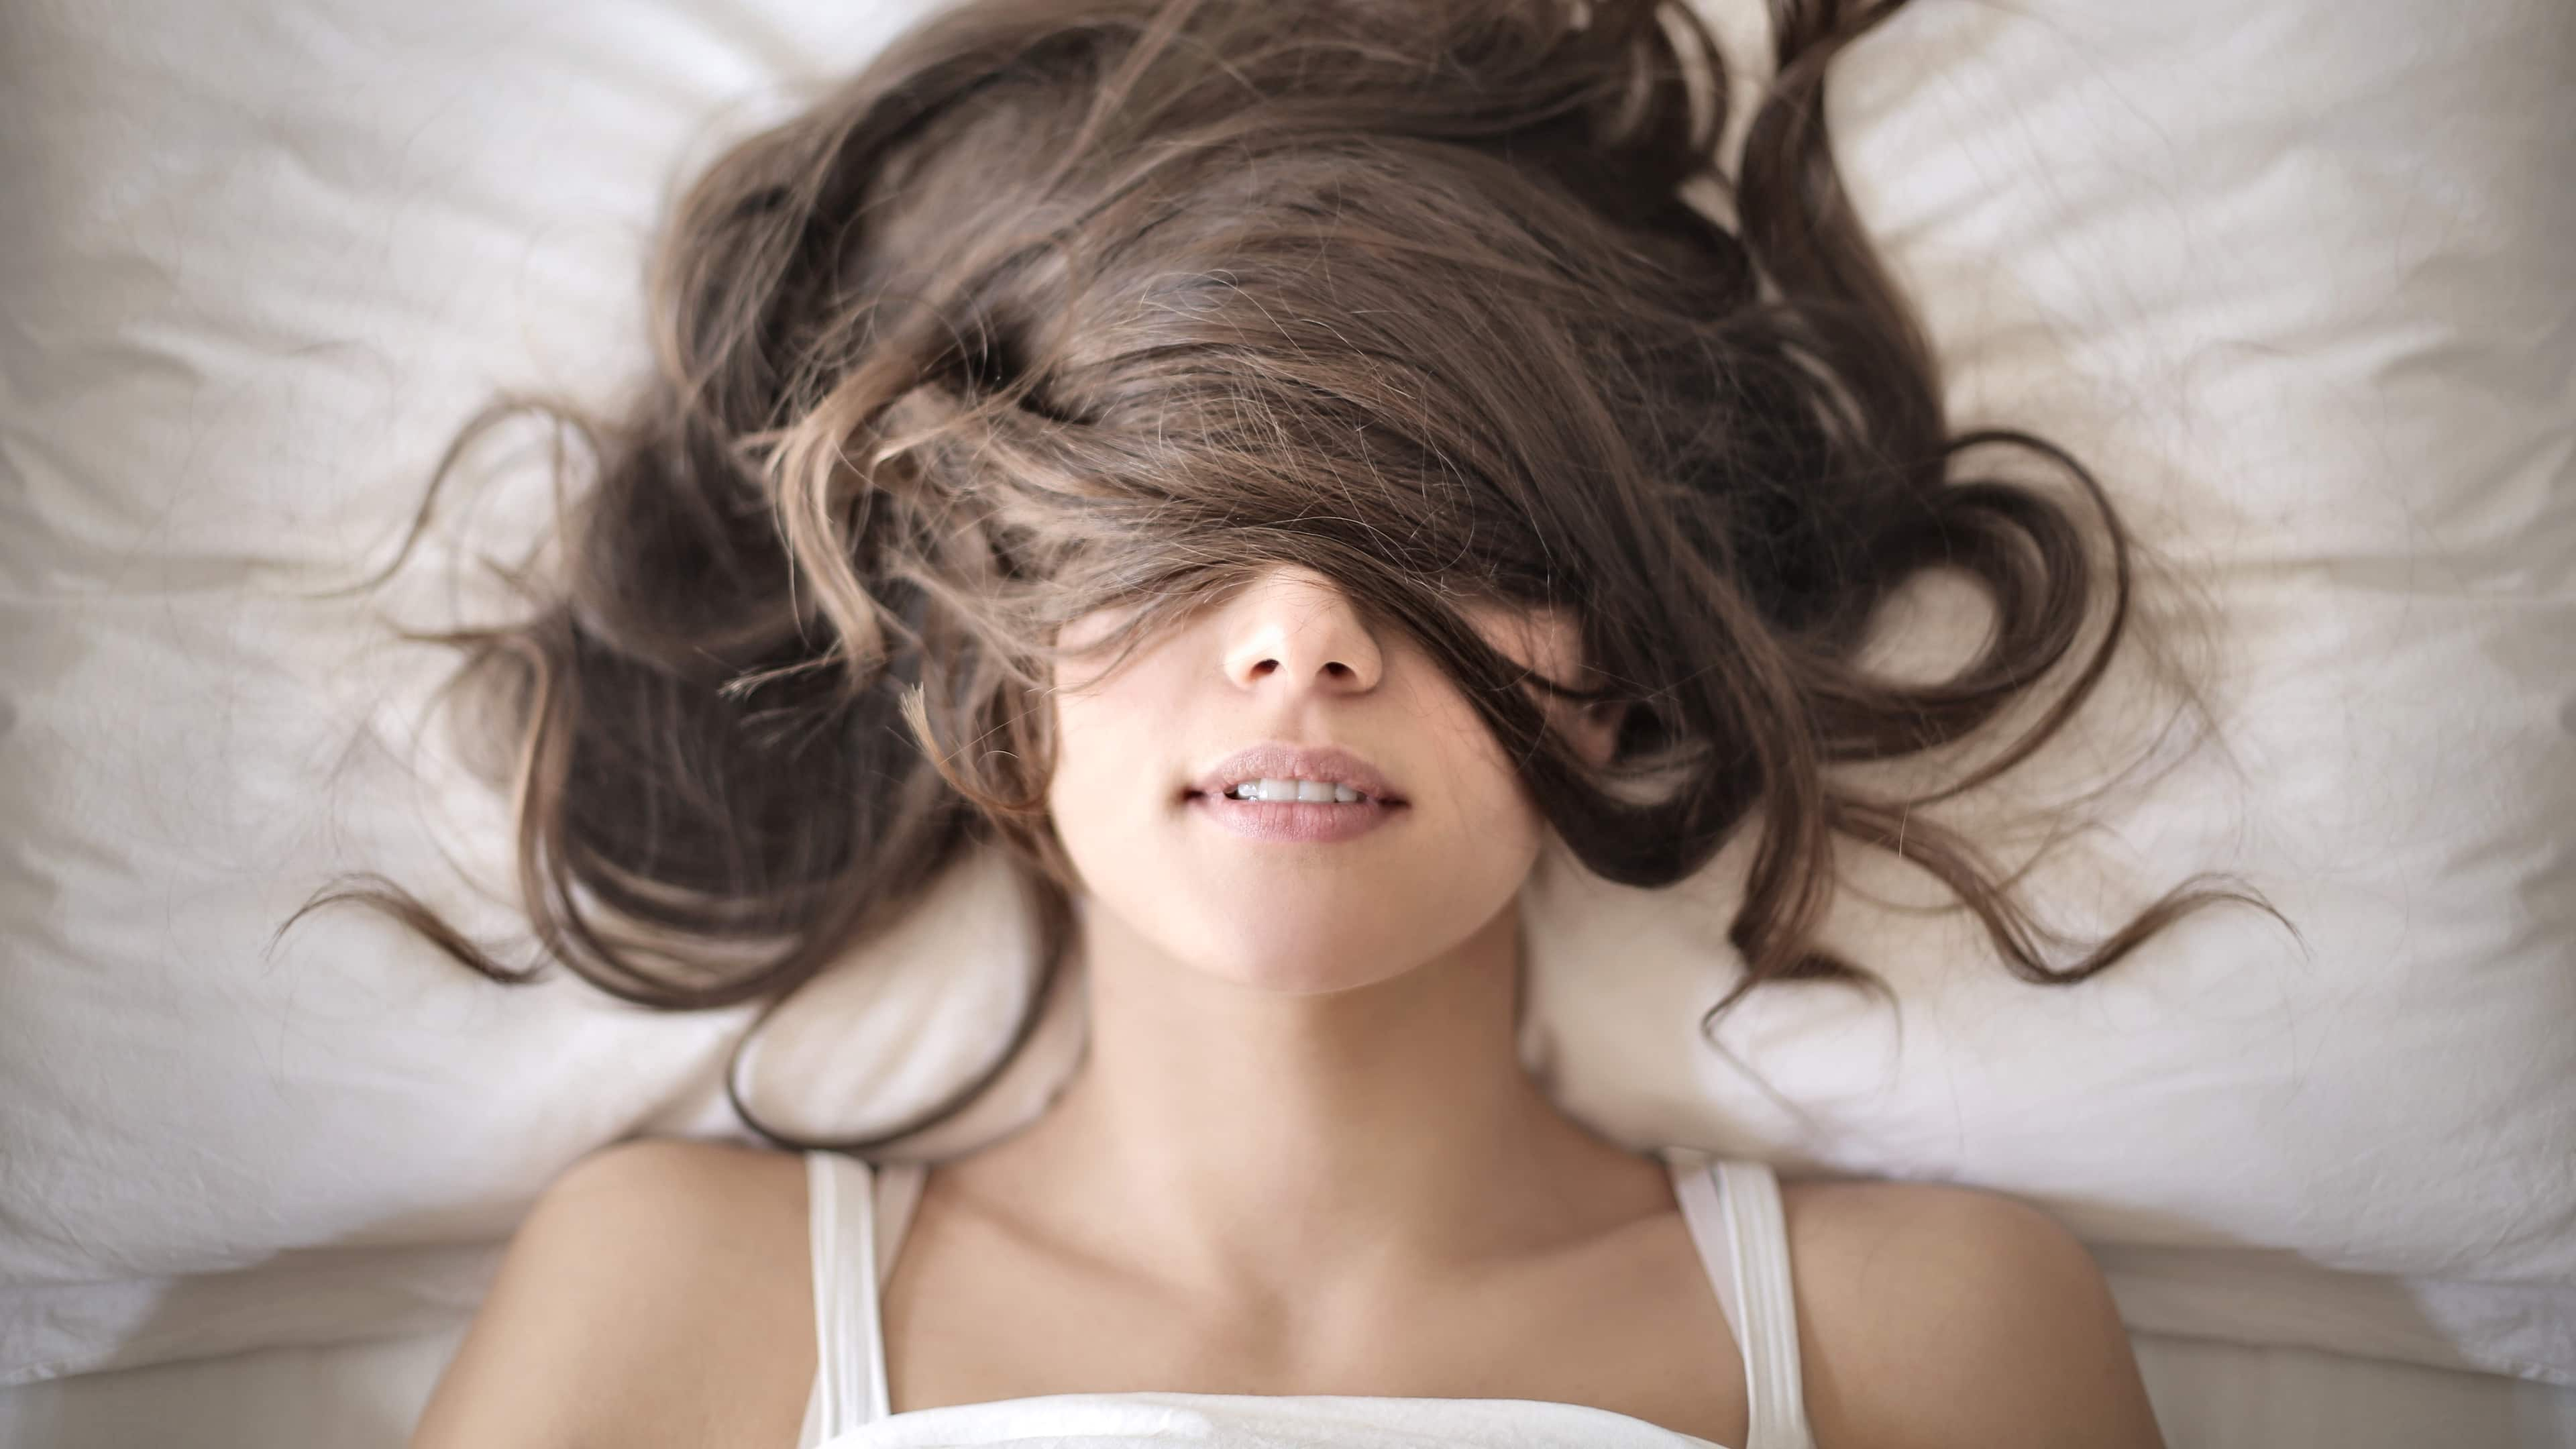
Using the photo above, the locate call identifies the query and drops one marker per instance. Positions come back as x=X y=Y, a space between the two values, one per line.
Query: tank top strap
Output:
x=1734 y=1212
x=856 y=1215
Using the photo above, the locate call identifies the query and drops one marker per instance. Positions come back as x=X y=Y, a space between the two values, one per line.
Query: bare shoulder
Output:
x=1933 y=1315
x=658 y=1292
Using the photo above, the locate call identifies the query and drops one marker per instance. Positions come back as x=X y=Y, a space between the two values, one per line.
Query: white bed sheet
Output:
x=2208 y=1395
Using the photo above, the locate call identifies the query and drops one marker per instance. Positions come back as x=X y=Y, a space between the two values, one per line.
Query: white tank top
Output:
x=858 y=1217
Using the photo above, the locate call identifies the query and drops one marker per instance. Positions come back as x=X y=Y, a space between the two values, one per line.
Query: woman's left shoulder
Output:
x=1934 y=1314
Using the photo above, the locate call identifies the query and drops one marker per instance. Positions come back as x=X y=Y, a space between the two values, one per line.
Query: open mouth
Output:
x=1294 y=811
x=1302 y=792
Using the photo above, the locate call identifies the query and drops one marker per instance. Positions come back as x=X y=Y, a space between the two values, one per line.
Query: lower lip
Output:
x=1308 y=822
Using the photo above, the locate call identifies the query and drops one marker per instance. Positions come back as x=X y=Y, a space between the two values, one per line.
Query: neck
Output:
x=1243 y=1145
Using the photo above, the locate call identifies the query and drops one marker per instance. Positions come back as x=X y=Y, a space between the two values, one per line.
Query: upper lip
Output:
x=1272 y=760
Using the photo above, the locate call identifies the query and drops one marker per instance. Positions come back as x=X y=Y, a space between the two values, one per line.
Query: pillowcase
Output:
x=2288 y=278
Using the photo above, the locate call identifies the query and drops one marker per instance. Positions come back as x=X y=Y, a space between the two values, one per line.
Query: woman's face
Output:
x=1315 y=894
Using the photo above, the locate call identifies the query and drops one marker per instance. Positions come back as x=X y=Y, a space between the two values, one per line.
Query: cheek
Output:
x=1494 y=828
x=1097 y=797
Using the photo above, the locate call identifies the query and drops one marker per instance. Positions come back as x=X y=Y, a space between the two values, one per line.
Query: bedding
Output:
x=367 y=1395
x=2291 y=278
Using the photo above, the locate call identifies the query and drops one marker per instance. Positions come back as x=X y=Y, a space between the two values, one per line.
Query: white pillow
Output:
x=2290 y=277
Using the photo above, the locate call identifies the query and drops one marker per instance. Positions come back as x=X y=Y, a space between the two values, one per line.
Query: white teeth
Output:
x=1311 y=791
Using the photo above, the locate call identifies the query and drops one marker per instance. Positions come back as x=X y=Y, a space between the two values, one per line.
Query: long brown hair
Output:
x=1065 y=304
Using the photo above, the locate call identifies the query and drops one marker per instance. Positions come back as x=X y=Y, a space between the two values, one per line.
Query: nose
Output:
x=1297 y=629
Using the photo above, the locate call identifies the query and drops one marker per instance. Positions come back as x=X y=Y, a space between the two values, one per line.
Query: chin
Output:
x=1326 y=956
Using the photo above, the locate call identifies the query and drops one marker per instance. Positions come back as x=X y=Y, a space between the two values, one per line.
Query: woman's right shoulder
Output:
x=658 y=1287
x=677 y=1181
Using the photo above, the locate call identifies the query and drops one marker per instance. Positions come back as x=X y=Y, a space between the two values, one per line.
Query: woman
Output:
x=1270 y=467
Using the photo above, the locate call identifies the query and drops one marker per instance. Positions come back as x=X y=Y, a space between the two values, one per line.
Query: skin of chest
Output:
x=1627 y=1322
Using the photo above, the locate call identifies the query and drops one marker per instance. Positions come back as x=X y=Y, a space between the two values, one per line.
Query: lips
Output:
x=1297 y=822
x=1276 y=761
